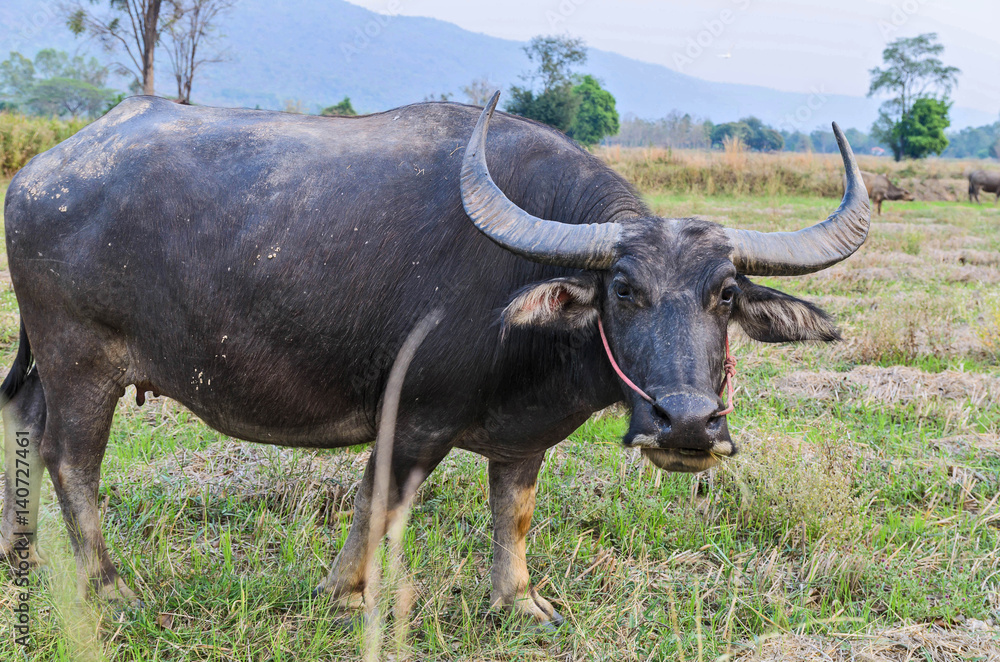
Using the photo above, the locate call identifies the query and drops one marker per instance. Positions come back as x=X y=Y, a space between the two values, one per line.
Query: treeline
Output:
x=683 y=131
x=980 y=142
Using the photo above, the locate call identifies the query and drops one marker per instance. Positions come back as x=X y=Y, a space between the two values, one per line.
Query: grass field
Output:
x=860 y=521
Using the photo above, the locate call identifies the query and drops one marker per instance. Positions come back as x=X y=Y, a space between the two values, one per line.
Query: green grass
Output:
x=843 y=515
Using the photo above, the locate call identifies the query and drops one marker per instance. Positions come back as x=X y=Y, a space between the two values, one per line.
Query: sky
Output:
x=792 y=45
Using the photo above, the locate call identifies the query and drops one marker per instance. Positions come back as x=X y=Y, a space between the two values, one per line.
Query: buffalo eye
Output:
x=622 y=290
x=728 y=295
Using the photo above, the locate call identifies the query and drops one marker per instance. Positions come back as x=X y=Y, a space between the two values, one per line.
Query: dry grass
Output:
x=970 y=640
x=734 y=171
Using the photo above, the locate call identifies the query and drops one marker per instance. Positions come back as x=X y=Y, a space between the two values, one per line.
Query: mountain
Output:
x=318 y=51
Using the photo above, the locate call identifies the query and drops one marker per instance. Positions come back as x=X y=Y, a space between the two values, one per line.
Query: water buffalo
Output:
x=981 y=180
x=264 y=268
x=880 y=188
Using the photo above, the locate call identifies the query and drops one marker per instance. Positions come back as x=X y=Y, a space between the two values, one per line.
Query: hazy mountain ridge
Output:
x=318 y=51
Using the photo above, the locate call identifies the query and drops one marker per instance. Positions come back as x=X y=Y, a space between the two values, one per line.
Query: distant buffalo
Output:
x=985 y=181
x=880 y=188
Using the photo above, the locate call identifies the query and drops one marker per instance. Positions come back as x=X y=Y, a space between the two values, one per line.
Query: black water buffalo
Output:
x=264 y=268
x=880 y=188
x=981 y=180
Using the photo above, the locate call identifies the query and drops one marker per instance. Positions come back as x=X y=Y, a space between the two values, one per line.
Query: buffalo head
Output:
x=665 y=292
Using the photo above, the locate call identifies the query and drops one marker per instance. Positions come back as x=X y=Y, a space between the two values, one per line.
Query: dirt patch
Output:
x=972 y=640
x=897 y=384
x=969 y=444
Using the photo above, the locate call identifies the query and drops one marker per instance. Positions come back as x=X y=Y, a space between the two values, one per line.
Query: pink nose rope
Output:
x=727 y=382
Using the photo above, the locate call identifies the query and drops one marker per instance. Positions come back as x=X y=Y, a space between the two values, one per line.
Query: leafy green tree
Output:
x=913 y=71
x=729 y=131
x=556 y=57
x=597 y=116
x=752 y=132
x=55 y=84
x=555 y=104
x=762 y=138
x=556 y=107
x=68 y=96
x=923 y=127
x=344 y=108
x=17 y=75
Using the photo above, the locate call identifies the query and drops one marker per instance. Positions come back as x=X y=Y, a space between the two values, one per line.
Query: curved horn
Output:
x=587 y=246
x=813 y=248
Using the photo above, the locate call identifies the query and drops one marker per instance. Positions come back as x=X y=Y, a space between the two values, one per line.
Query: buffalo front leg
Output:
x=347 y=581
x=23 y=424
x=512 y=502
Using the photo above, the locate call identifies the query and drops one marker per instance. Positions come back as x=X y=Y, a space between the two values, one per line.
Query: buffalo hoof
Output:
x=535 y=610
x=346 y=611
x=118 y=593
x=16 y=558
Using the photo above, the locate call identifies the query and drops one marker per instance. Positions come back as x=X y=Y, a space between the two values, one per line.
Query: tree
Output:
x=597 y=116
x=68 y=96
x=17 y=76
x=555 y=104
x=751 y=132
x=912 y=72
x=730 y=131
x=479 y=91
x=762 y=138
x=923 y=126
x=975 y=142
x=555 y=57
x=131 y=25
x=557 y=107
x=55 y=84
x=190 y=27
x=344 y=108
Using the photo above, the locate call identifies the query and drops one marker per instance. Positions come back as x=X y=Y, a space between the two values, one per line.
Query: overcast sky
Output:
x=791 y=45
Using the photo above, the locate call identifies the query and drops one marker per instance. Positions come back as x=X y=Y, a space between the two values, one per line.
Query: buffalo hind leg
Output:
x=348 y=578
x=23 y=425
x=512 y=502
x=80 y=408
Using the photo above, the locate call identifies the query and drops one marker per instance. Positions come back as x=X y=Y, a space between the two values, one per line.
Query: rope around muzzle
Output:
x=729 y=366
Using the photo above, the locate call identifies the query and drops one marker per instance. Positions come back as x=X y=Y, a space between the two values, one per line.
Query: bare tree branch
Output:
x=137 y=36
x=192 y=26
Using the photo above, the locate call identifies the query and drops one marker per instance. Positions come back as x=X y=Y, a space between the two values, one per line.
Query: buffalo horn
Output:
x=585 y=246
x=813 y=248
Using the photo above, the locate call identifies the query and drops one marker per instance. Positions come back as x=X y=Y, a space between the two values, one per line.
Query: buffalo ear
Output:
x=771 y=316
x=559 y=304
